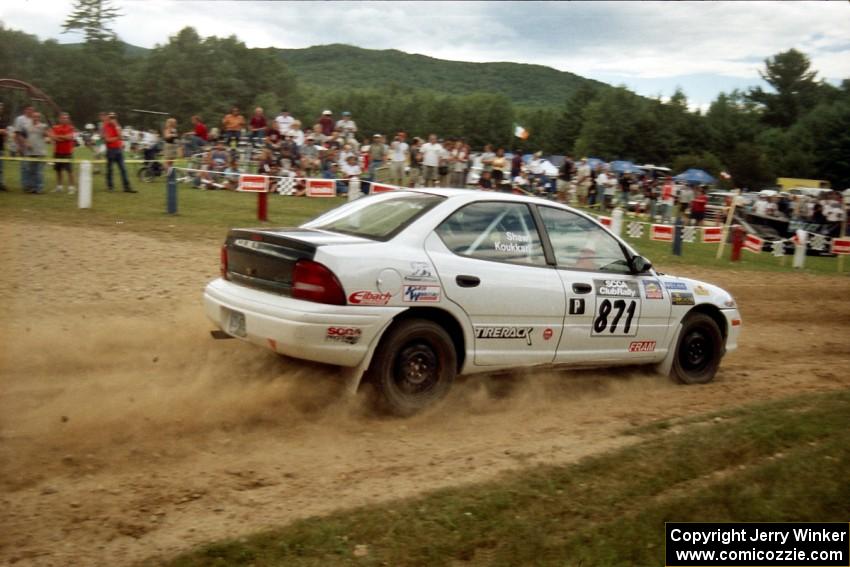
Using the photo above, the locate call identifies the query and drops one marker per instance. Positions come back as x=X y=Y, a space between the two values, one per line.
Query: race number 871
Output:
x=616 y=317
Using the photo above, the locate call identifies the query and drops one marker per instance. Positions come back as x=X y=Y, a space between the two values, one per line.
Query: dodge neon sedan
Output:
x=409 y=289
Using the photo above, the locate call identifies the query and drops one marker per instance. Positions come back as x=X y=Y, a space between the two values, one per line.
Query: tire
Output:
x=413 y=367
x=146 y=175
x=698 y=351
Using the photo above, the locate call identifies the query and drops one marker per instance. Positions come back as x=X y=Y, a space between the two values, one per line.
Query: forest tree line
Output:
x=801 y=128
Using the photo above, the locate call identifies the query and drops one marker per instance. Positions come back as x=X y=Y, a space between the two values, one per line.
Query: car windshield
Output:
x=382 y=219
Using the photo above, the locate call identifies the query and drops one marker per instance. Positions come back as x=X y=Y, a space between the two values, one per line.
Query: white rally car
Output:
x=411 y=288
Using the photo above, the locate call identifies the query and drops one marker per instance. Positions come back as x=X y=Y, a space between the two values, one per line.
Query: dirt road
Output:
x=126 y=432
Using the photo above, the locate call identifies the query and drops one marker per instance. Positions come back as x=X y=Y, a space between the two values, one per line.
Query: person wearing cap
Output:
x=377 y=155
x=326 y=121
x=399 y=153
x=346 y=126
x=310 y=161
x=115 y=152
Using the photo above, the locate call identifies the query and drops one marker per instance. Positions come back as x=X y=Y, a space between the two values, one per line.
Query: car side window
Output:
x=495 y=231
x=580 y=244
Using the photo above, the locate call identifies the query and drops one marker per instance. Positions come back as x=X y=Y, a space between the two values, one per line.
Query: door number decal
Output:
x=616 y=318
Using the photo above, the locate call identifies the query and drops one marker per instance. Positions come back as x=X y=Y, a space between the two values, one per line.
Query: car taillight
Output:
x=224 y=261
x=312 y=281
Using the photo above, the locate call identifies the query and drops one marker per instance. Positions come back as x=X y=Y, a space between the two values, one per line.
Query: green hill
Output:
x=347 y=66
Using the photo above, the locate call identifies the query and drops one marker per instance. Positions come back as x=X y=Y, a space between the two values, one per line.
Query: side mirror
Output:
x=640 y=264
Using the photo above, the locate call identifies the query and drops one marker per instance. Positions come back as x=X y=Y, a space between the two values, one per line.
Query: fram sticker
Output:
x=504 y=333
x=369 y=298
x=676 y=285
x=421 y=293
x=576 y=306
x=681 y=298
x=616 y=288
x=652 y=289
x=642 y=346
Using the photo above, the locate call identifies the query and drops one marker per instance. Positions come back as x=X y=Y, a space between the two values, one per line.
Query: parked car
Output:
x=411 y=288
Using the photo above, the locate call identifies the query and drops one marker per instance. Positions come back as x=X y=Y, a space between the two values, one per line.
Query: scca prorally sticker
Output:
x=682 y=298
x=421 y=293
x=642 y=346
x=369 y=298
x=676 y=285
x=348 y=335
x=504 y=333
x=616 y=288
x=652 y=289
x=420 y=272
x=513 y=243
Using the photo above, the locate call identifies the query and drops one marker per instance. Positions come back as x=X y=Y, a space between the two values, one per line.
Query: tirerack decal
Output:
x=504 y=333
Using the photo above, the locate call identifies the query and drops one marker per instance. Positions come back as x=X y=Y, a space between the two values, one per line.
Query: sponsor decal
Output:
x=712 y=234
x=699 y=290
x=682 y=298
x=652 y=289
x=514 y=243
x=381 y=188
x=576 y=306
x=605 y=221
x=662 y=232
x=504 y=333
x=753 y=243
x=642 y=346
x=348 y=335
x=253 y=183
x=369 y=298
x=321 y=188
x=547 y=334
x=676 y=285
x=616 y=288
x=420 y=272
x=841 y=246
x=421 y=293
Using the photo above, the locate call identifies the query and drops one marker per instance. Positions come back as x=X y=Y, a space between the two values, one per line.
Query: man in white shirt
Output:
x=604 y=187
x=346 y=126
x=399 y=151
x=284 y=121
x=431 y=153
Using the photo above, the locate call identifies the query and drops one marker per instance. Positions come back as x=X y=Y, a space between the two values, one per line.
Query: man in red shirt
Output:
x=698 y=207
x=62 y=135
x=115 y=152
x=198 y=136
x=327 y=123
x=258 y=125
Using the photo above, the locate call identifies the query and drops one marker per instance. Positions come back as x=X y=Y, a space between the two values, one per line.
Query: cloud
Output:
x=631 y=42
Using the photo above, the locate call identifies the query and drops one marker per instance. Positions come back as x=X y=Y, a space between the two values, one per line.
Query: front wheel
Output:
x=699 y=350
x=146 y=175
x=413 y=367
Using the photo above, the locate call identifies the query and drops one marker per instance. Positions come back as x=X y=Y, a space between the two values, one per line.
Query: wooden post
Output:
x=728 y=223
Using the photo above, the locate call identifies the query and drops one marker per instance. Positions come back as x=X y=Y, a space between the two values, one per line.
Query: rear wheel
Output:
x=146 y=175
x=413 y=367
x=699 y=350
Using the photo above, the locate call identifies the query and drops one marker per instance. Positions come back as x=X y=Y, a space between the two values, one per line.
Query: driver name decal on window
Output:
x=616 y=288
x=514 y=243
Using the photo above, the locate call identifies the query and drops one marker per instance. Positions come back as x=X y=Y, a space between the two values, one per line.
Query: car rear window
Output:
x=382 y=219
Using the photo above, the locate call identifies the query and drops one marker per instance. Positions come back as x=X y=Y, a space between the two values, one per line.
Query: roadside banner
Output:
x=321 y=188
x=841 y=246
x=381 y=188
x=606 y=221
x=712 y=234
x=662 y=232
x=253 y=183
x=753 y=243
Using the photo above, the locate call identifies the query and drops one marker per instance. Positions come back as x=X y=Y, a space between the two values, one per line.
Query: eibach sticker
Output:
x=369 y=298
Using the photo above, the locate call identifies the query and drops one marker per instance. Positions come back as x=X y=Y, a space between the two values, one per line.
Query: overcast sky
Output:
x=651 y=47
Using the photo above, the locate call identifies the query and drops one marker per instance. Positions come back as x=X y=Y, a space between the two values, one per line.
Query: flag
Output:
x=520 y=132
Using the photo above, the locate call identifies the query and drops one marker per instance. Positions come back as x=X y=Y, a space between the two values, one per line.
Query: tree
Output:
x=92 y=18
x=567 y=127
x=796 y=89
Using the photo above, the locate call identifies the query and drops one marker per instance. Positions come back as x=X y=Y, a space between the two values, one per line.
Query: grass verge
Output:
x=780 y=461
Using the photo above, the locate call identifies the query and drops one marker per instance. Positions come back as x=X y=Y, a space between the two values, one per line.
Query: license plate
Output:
x=236 y=323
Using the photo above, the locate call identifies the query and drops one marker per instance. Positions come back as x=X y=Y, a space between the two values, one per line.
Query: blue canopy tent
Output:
x=695 y=176
x=622 y=166
x=595 y=162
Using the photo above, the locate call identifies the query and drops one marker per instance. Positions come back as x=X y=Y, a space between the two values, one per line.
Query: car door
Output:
x=612 y=314
x=490 y=261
